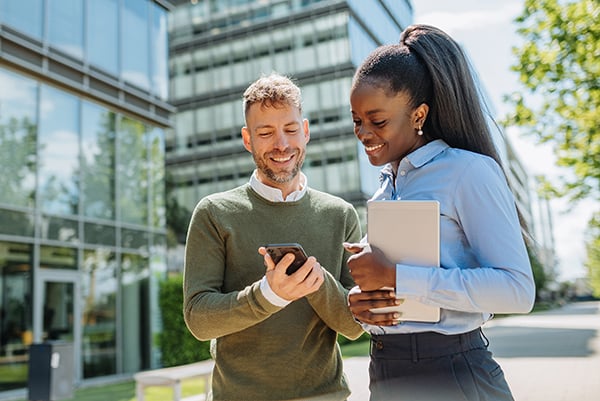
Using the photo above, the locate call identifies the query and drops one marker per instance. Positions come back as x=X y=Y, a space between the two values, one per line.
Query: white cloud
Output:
x=455 y=22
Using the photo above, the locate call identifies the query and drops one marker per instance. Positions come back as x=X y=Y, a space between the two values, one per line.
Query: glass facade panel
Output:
x=18 y=223
x=59 y=229
x=99 y=290
x=52 y=257
x=103 y=34
x=99 y=234
x=18 y=132
x=156 y=149
x=98 y=161
x=23 y=15
x=16 y=314
x=159 y=48
x=65 y=26
x=132 y=170
x=58 y=152
x=135 y=43
x=379 y=21
x=135 y=313
x=134 y=239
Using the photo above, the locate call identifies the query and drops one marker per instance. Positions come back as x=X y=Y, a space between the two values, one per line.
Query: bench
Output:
x=172 y=377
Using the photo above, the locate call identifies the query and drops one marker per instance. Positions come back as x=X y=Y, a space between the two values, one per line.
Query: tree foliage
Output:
x=593 y=250
x=559 y=69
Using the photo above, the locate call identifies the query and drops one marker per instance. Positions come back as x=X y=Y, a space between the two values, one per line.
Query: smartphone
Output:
x=278 y=251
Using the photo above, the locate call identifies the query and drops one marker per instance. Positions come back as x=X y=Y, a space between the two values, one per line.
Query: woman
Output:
x=417 y=112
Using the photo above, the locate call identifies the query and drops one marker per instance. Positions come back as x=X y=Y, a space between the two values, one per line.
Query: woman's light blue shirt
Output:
x=485 y=268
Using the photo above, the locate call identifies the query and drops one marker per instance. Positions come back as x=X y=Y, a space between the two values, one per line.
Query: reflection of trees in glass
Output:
x=99 y=315
x=98 y=162
x=132 y=171
x=17 y=161
x=58 y=157
x=156 y=148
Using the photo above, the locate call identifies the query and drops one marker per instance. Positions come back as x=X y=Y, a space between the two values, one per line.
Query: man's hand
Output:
x=369 y=267
x=361 y=303
x=306 y=280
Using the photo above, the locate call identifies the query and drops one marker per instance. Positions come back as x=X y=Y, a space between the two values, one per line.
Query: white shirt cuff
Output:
x=270 y=295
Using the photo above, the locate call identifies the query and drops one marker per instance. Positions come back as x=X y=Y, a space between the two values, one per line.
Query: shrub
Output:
x=178 y=346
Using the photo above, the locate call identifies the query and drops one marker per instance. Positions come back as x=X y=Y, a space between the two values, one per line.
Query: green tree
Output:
x=559 y=69
x=593 y=250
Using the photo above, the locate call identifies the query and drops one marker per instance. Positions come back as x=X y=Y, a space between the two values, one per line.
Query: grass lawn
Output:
x=125 y=391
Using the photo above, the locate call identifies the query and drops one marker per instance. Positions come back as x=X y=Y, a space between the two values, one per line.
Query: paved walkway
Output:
x=547 y=356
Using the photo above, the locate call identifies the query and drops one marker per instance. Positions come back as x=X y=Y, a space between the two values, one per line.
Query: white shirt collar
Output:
x=275 y=194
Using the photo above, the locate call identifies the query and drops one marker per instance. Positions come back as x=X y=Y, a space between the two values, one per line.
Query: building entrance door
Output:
x=57 y=316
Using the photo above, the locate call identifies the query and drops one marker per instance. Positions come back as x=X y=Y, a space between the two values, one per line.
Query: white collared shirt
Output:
x=275 y=195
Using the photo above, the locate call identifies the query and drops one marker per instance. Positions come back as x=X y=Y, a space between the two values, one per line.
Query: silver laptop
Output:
x=407 y=232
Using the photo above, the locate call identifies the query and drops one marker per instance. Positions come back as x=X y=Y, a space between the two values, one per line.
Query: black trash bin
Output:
x=51 y=371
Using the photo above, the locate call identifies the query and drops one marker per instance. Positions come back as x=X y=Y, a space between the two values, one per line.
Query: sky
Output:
x=487 y=32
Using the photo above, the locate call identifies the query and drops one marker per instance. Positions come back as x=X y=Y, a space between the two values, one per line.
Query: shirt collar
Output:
x=427 y=152
x=275 y=194
x=418 y=157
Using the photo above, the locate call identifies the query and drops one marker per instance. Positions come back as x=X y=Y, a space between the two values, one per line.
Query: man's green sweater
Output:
x=262 y=351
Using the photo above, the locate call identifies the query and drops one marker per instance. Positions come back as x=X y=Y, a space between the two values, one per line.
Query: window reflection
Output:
x=99 y=289
x=160 y=56
x=156 y=143
x=103 y=34
x=135 y=44
x=24 y=15
x=59 y=229
x=98 y=161
x=52 y=257
x=59 y=152
x=132 y=169
x=18 y=130
x=65 y=26
x=16 y=319
x=135 y=312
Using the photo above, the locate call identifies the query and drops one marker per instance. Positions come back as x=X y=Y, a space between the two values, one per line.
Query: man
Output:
x=275 y=333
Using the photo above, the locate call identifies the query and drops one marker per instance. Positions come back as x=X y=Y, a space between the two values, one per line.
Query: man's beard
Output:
x=279 y=177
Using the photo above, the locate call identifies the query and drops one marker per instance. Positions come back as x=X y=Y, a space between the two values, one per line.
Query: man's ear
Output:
x=306 y=129
x=246 y=139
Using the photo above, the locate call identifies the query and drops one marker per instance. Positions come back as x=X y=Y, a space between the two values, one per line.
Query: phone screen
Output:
x=278 y=251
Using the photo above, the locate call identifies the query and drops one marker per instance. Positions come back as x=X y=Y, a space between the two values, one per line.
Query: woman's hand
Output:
x=369 y=267
x=361 y=303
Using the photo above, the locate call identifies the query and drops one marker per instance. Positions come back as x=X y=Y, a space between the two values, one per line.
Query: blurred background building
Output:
x=83 y=109
x=217 y=48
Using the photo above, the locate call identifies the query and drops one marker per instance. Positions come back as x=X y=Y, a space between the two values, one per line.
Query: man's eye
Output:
x=379 y=123
x=356 y=122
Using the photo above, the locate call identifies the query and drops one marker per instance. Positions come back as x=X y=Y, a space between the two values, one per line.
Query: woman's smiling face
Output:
x=386 y=125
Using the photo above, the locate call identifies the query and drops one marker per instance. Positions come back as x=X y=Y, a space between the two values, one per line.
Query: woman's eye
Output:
x=379 y=123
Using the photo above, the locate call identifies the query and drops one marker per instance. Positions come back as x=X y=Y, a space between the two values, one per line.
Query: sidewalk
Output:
x=547 y=356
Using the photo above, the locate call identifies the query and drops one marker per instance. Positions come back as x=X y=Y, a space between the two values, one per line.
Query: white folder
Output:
x=407 y=232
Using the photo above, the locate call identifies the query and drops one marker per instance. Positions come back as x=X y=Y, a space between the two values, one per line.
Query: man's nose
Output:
x=281 y=140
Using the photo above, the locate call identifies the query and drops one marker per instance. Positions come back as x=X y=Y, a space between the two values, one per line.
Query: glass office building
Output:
x=83 y=112
x=217 y=48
